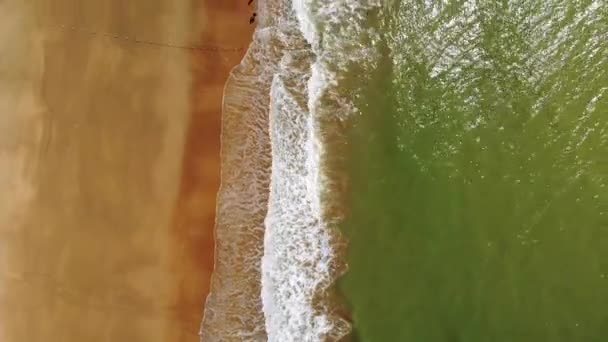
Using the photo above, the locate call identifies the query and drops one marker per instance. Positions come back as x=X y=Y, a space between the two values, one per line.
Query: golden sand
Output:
x=109 y=164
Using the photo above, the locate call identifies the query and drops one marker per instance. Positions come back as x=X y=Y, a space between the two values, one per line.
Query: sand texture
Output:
x=109 y=164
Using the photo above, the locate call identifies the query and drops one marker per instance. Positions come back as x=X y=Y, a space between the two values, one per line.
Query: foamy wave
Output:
x=278 y=250
x=233 y=309
x=298 y=251
x=302 y=247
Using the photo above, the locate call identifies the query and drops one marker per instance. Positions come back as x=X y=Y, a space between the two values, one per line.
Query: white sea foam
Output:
x=233 y=310
x=277 y=246
x=302 y=245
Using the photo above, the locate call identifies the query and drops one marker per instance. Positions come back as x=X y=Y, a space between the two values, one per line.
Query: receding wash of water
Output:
x=416 y=171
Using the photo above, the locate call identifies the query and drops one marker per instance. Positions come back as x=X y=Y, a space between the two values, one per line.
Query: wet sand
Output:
x=109 y=164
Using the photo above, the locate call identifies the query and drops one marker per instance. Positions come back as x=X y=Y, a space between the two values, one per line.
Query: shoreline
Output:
x=233 y=308
x=278 y=205
x=200 y=181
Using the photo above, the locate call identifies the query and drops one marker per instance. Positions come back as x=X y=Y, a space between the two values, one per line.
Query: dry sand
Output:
x=109 y=164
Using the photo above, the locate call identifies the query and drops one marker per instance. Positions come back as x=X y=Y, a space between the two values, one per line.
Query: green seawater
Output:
x=479 y=174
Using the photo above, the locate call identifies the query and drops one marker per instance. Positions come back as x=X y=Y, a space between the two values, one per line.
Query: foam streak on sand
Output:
x=278 y=248
x=233 y=311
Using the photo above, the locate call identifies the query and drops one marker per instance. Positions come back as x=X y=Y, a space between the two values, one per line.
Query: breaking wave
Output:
x=278 y=249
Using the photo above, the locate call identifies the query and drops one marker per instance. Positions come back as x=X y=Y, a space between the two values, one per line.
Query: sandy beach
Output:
x=109 y=164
